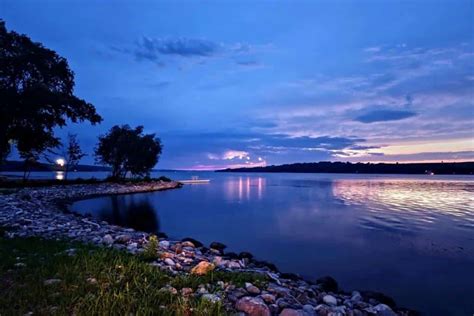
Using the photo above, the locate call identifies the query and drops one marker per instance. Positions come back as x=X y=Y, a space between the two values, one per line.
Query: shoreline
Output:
x=43 y=212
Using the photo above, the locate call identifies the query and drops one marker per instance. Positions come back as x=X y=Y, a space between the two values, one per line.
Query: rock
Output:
x=170 y=262
x=384 y=310
x=252 y=289
x=213 y=298
x=290 y=276
x=327 y=284
x=186 y=291
x=91 y=281
x=108 y=239
x=292 y=312
x=123 y=239
x=233 y=265
x=217 y=246
x=187 y=244
x=51 y=281
x=164 y=244
x=356 y=297
x=330 y=300
x=169 y=289
x=132 y=247
x=253 y=306
x=195 y=242
x=19 y=265
x=268 y=298
x=380 y=297
x=202 y=268
x=322 y=310
x=309 y=309
x=245 y=255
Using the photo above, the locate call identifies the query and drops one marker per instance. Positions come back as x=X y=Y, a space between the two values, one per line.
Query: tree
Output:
x=73 y=154
x=128 y=150
x=36 y=95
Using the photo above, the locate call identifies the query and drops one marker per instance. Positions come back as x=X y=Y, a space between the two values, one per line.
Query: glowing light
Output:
x=60 y=175
x=60 y=162
x=260 y=159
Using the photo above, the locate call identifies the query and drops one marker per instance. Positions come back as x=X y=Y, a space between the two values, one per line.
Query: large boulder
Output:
x=202 y=268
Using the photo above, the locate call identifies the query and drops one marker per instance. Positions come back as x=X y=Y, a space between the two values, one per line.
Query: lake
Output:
x=411 y=237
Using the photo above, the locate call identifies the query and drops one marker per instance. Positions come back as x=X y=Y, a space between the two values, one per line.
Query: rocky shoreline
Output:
x=40 y=212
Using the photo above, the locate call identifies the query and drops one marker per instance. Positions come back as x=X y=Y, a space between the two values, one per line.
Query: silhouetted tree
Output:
x=36 y=95
x=128 y=150
x=73 y=153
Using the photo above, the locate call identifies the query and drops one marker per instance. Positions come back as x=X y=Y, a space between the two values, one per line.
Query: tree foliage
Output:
x=36 y=95
x=73 y=153
x=128 y=150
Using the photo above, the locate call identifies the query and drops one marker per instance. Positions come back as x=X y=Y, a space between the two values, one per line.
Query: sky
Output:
x=254 y=83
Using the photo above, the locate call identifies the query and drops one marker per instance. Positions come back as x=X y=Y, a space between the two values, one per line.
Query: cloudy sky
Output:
x=232 y=83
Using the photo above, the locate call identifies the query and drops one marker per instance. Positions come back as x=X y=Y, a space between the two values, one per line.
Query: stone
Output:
x=245 y=255
x=268 y=298
x=202 y=268
x=186 y=291
x=132 y=247
x=91 y=281
x=123 y=239
x=165 y=244
x=252 y=306
x=327 y=284
x=108 y=239
x=217 y=246
x=322 y=310
x=51 y=281
x=233 y=265
x=356 y=297
x=187 y=244
x=213 y=298
x=252 y=289
x=195 y=242
x=292 y=312
x=330 y=300
x=19 y=265
x=170 y=262
x=384 y=310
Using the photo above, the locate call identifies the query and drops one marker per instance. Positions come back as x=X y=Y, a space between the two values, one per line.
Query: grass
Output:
x=125 y=284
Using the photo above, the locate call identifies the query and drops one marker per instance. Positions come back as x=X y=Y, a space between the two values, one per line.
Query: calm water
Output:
x=411 y=237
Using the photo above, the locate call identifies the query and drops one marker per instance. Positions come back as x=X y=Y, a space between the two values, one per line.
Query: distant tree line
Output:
x=37 y=96
x=347 y=167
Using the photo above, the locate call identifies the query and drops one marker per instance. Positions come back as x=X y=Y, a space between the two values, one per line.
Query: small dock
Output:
x=197 y=181
x=194 y=180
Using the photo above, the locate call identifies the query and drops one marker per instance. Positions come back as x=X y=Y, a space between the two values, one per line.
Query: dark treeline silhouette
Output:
x=18 y=166
x=37 y=96
x=347 y=167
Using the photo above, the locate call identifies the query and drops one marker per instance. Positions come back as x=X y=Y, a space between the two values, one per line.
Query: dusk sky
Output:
x=247 y=83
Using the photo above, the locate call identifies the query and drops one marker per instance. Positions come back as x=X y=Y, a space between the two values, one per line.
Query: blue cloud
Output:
x=150 y=49
x=384 y=115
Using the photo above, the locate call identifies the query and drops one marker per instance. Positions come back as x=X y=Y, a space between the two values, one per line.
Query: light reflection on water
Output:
x=403 y=235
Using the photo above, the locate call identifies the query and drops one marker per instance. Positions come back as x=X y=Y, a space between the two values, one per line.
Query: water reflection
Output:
x=129 y=211
x=244 y=188
x=59 y=175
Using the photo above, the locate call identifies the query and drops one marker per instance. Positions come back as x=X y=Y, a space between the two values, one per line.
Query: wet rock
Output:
x=123 y=239
x=322 y=310
x=309 y=309
x=164 y=244
x=217 y=246
x=195 y=242
x=290 y=276
x=293 y=312
x=383 y=310
x=252 y=289
x=330 y=300
x=108 y=239
x=187 y=244
x=379 y=297
x=268 y=298
x=245 y=255
x=327 y=284
x=202 y=268
x=170 y=262
x=253 y=306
